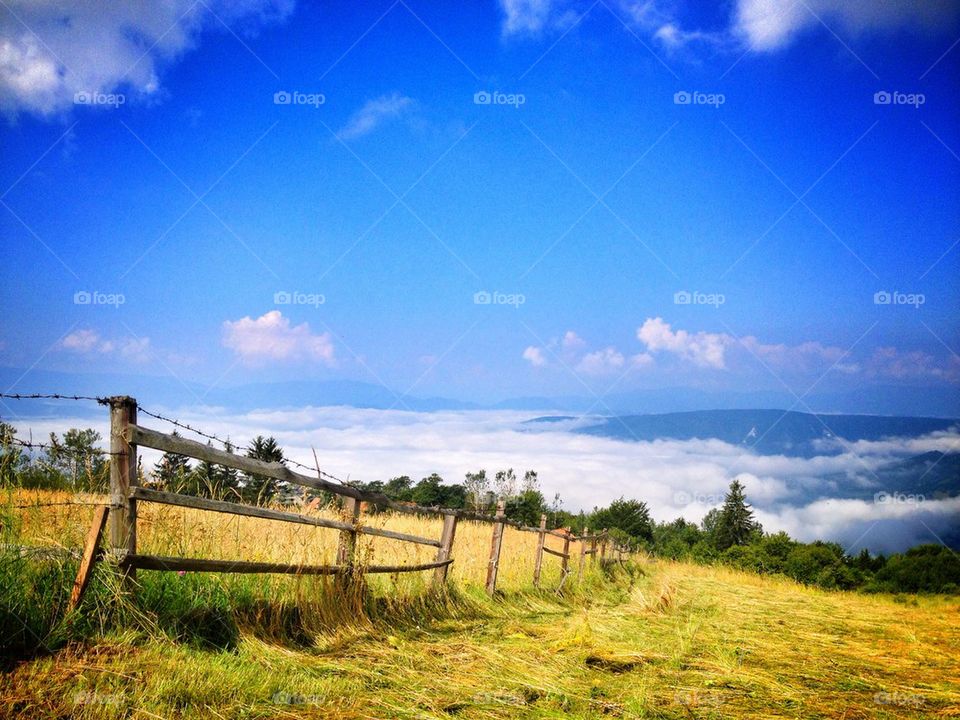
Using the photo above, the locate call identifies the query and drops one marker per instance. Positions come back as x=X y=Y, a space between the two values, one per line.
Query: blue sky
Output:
x=587 y=197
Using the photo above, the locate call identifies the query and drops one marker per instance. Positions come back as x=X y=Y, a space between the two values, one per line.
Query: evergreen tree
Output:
x=260 y=488
x=735 y=524
x=172 y=472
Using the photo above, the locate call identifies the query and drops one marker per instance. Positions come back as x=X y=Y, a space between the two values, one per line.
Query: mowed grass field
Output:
x=652 y=639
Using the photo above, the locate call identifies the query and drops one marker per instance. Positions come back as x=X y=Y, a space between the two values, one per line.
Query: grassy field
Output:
x=652 y=639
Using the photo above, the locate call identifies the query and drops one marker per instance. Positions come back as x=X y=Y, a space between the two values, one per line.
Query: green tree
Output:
x=735 y=524
x=172 y=471
x=399 y=488
x=79 y=460
x=630 y=516
x=476 y=486
x=260 y=489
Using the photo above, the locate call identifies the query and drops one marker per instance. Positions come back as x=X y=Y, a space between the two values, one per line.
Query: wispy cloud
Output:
x=373 y=114
x=90 y=342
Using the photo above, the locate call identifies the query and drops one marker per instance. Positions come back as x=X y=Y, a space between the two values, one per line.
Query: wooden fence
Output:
x=126 y=435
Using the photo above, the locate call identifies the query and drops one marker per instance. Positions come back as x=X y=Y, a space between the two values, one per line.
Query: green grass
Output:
x=664 y=641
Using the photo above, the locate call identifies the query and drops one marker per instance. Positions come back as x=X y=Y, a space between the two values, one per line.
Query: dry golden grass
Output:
x=184 y=532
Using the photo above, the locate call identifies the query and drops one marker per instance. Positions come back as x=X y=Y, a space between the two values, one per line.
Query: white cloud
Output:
x=571 y=341
x=373 y=114
x=703 y=349
x=534 y=356
x=89 y=342
x=767 y=25
x=51 y=50
x=525 y=17
x=271 y=337
x=890 y=362
x=602 y=362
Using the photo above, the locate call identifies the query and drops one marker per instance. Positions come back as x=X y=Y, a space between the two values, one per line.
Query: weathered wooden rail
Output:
x=126 y=435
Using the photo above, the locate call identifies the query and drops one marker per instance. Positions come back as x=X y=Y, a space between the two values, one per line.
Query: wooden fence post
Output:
x=603 y=546
x=583 y=552
x=565 y=560
x=446 y=547
x=347 y=545
x=539 y=561
x=123 y=475
x=495 y=545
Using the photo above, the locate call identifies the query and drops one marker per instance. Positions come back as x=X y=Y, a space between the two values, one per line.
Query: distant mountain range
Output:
x=172 y=392
x=768 y=432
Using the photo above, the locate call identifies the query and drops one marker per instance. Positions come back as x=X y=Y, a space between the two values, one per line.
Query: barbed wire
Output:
x=185 y=426
x=163 y=418
x=52 y=396
x=56 y=448
x=231 y=444
x=54 y=504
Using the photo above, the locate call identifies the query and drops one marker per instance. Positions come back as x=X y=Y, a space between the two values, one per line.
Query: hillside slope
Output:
x=670 y=641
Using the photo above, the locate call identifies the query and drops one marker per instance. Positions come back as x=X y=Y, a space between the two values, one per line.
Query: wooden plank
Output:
x=564 y=555
x=446 y=547
x=156 y=562
x=170 y=443
x=583 y=553
x=495 y=545
x=232 y=508
x=89 y=558
x=538 y=562
x=123 y=476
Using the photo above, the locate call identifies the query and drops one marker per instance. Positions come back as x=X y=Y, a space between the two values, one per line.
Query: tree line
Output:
x=729 y=534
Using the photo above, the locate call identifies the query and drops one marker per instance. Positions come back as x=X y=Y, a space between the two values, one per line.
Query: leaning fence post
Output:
x=565 y=560
x=123 y=475
x=583 y=551
x=539 y=561
x=495 y=545
x=446 y=547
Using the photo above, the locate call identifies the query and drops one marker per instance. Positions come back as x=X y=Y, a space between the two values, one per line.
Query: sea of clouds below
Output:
x=677 y=478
